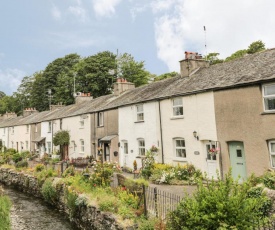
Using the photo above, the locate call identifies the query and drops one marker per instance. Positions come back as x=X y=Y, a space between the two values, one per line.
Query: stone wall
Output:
x=87 y=217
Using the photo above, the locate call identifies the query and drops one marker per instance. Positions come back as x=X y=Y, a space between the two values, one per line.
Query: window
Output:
x=12 y=130
x=81 y=123
x=82 y=146
x=141 y=147
x=49 y=147
x=100 y=119
x=22 y=145
x=35 y=128
x=74 y=145
x=49 y=127
x=12 y=144
x=27 y=128
x=27 y=145
x=272 y=153
x=180 y=148
x=177 y=107
x=125 y=147
x=269 y=97
x=4 y=131
x=140 y=114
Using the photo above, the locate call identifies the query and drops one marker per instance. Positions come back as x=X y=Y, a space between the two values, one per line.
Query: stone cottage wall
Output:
x=87 y=218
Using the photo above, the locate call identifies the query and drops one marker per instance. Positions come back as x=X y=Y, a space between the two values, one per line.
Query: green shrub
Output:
x=268 y=180
x=5 y=205
x=17 y=157
x=44 y=174
x=39 y=168
x=71 y=200
x=135 y=185
x=148 y=164
x=21 y=164
x=102 y=174
x=219 y=205
x=70 y=171
x=109 y=205
x=49 y=191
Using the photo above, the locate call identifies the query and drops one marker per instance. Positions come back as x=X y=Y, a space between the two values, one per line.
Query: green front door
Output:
x=237 y=159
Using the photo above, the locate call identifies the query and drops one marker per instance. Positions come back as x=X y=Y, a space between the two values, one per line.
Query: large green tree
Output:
x=133 y=71
x=165 y=76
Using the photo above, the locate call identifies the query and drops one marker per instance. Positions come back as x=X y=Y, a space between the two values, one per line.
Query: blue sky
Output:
x=36 y=32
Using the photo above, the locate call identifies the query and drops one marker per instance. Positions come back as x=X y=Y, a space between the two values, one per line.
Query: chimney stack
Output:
x=80 y=97
x=29 y=111
x=122 y=85
x=192 y=62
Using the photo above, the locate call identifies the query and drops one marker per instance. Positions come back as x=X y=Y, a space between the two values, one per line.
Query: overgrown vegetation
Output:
x=5 y=205
x=221 y=205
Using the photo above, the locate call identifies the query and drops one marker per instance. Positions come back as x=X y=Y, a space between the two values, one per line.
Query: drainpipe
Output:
x=221 y=165
x=52 y=139
x=161 y=140
x=95 y=153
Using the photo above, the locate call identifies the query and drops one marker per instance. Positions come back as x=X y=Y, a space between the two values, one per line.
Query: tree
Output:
x=93 y=74
x=132 y=70
x=9 y=104
x=255 y=47
x=213 y=58
x=165 y=76
x=62 y=138
x=2 y=94
x=237 y=54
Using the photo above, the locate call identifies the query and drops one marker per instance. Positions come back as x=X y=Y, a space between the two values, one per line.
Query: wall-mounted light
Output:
x=195 y=134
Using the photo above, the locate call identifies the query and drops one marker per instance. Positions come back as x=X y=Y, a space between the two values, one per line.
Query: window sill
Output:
x=268 y=112
x=81 y=127
x=100 y=126
x=179 y=159
x=139 y=121
x=177 y=117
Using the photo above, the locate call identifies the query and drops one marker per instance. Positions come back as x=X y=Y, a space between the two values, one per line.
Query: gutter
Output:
x=161 y=139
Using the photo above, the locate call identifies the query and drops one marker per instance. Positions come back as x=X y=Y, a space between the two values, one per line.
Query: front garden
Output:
x=221 y=204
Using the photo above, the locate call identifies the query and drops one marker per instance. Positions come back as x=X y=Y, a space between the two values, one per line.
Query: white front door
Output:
x=211 y=161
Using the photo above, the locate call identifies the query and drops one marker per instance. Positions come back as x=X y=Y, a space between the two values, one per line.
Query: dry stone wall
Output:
x=87 y=217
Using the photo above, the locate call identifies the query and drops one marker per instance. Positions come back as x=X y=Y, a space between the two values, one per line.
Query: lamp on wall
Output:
x=195 y=134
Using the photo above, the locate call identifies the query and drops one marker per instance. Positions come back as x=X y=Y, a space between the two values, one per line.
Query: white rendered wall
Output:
x=77 y=133
x=130 y=130
x=20 y=136
x=199 y=116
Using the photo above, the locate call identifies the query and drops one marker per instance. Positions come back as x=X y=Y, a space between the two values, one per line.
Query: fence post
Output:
x=156 y=200
x=145 y=204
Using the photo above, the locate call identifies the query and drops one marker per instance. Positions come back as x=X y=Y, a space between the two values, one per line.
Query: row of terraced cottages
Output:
x=215 y=117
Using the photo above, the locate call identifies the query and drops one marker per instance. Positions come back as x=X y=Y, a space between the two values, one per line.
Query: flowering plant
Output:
x=213 y=151
x=154 y=148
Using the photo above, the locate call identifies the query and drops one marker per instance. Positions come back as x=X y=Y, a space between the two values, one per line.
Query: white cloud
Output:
x=231 y=25
x=56 y=13
x=105 y=7
x=78 y=11
x=10 y=79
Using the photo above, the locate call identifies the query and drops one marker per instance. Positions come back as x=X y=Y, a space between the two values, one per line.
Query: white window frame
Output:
x=100 y=119
x=82 y=146
x=49 y=127
x=73 y=145
x=179 y=148
x=140 y=113
x=141 y=148
x=272 y=96
x=271 y=153
x=4 y=132
x=81 y=123
x=125 y=147
x=175 y=107
x=27 y=128
x=27 y=145
x=49 y=147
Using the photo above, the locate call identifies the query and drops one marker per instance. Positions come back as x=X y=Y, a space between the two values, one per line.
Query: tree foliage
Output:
x=255 y=47
x=165 y=76
x=62 y=138
x=213 y=58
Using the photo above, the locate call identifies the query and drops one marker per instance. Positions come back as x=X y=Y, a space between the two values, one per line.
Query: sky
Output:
x=36 y=32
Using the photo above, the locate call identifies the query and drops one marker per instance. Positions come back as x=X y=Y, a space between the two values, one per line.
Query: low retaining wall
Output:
x=87 y=217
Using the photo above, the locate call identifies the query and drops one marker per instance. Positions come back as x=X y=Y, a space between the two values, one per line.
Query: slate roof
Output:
x=250 y=69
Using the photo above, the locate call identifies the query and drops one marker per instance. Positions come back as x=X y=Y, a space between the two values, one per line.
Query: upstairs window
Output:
x=269 y=97
x=36 y=128
x=82 y=146
x=100 y=119
x=125 y=147
x=180 y=150
x=140 y=114
x=12 y=130
x=27 y=145
x=4 y=131
x=49 y=127
x=141 y=147
x=27 y=128
x=81 y=123
x=60 y=124
x=272 y=153
x=177 y=107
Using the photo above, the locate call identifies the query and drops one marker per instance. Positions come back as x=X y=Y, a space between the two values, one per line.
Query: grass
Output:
x=5 y=205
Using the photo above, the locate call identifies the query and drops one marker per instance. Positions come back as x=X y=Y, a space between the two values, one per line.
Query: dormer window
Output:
x=177 y=107
x=269 y=97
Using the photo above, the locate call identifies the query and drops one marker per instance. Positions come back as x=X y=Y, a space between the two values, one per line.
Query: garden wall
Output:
x=87 y=217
